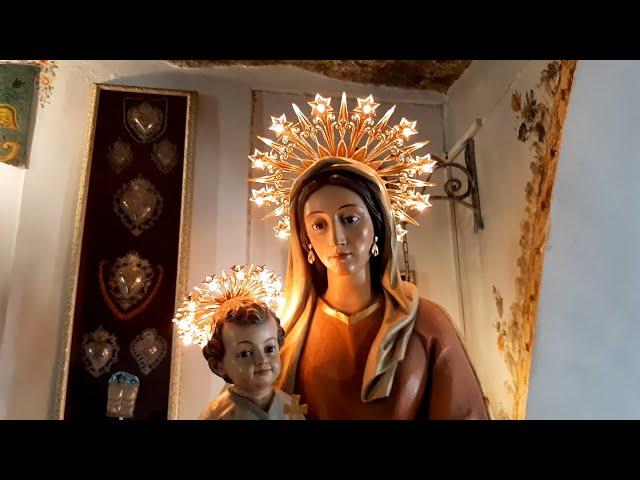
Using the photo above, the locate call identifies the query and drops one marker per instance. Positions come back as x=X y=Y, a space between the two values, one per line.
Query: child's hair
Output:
x=241 y=311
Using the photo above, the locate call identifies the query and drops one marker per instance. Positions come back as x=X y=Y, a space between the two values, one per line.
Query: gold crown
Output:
x=355 y=136
x=194 y=317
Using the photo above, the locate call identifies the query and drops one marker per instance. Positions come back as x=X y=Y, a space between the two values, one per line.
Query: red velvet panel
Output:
x=105 y=238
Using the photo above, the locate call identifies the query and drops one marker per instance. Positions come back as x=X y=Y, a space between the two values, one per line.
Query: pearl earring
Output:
x=375 y=251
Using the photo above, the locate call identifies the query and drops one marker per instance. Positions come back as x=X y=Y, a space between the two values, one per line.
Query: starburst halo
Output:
x=194 y=317
x=353 y=135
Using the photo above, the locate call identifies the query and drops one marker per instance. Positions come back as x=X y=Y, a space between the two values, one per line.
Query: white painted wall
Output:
x=11 y=182
x=489 y=258
x=586 y=355
x=40 y=214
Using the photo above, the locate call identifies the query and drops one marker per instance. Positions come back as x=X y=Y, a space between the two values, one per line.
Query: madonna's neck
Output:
x=349 y=293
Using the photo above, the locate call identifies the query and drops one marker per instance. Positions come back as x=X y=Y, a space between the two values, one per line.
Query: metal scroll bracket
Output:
x=453 y=186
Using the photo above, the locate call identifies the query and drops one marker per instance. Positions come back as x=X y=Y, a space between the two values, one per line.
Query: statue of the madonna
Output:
x=360 y=343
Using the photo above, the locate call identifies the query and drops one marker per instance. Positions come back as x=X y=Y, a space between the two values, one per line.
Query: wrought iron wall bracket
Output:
x=453 y=186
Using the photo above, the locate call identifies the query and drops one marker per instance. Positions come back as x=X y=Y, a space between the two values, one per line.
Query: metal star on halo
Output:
x=321 y=105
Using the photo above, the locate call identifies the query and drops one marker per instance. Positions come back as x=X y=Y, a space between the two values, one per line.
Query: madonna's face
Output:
x=340 y=229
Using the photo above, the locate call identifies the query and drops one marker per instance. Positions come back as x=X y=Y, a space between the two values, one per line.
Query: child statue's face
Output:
x=252 y=355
